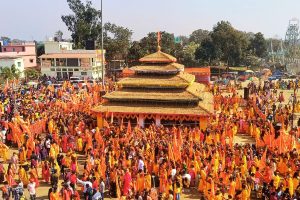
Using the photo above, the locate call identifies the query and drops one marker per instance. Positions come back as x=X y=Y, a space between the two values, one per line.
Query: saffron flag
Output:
x=263 y=160
x=129 y=127
x=105 y=124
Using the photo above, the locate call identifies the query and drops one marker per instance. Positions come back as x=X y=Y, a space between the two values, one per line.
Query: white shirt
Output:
x=187 y=176
x=102 y=187
x=84 y=184
x=31 y=188
x=141 y=165
x=173 y=173
x=96 y=196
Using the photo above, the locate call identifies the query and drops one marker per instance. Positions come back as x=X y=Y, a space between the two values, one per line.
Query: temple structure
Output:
x=159 y=92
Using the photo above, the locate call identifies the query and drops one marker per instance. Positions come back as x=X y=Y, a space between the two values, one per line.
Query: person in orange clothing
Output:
x=140 y=181
x=54 y=195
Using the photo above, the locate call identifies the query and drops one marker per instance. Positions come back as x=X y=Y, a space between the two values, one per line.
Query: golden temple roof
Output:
x=180 y=95
x=134 y=108
x=182 y=80
x=167 y=68
x=158 y=57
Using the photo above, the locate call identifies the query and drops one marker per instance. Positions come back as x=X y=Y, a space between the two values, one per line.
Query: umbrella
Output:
x=249 y=71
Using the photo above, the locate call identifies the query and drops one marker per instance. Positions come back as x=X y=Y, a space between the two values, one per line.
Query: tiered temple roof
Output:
x=159 y=86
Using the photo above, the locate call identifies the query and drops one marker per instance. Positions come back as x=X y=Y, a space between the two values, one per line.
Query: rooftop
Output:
x=182 y=80
x=163 y=68
x=117 y=107
x=158 y=57
x=180 y=95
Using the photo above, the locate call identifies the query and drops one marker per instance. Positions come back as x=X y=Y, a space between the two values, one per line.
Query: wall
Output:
x=57 y=47
x=8 y=62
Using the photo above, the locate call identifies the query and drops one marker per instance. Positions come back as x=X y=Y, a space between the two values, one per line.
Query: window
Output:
x=14 y=50
x=83 y=73
x=19 y=64
x=52 y=69
x=76 y=70
x=4 y=49
x=31 y=60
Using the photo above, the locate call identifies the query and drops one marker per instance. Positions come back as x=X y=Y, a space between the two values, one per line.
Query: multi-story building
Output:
x=24 y=50
x=10 y=61
x=62 y=62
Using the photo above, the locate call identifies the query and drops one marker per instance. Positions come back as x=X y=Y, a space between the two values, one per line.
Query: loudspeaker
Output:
x=90 y=45
x=246 y=93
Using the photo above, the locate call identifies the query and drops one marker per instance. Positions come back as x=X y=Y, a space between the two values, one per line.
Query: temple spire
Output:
x=158 y=41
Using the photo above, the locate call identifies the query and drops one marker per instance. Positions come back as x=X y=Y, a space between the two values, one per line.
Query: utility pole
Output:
x=102 y=61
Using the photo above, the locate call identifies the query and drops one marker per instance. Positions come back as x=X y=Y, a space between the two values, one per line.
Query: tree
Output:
x=135 y=52
x=258 y=45
x=32 y=74
x=58 y=35
x=40 y=50
x=10 y=73
x=230 y=43
x=84 y=24
x=116 y=41
x=188 y=57
x=199 y=35
x=206 y=52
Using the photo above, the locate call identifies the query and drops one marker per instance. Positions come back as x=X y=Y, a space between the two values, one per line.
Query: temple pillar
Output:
x=141 y=121
x=157 y=120
x=99 y=121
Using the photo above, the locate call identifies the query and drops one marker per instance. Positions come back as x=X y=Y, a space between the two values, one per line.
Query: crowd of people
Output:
x=77 y=160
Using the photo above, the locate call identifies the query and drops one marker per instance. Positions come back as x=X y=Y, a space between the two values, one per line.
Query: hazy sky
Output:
x=37 y=19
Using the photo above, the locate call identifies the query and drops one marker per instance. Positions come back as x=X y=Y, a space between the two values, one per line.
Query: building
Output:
x=57 y=46
x=18 y=62
x=202 y=74
x=24 y=50
x=68 y=63
x=159 y=92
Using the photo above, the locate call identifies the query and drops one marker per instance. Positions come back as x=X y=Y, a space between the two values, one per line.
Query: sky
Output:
x=40 y=19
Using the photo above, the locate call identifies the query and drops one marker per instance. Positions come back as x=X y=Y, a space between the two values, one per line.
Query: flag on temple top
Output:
x=158 y=38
